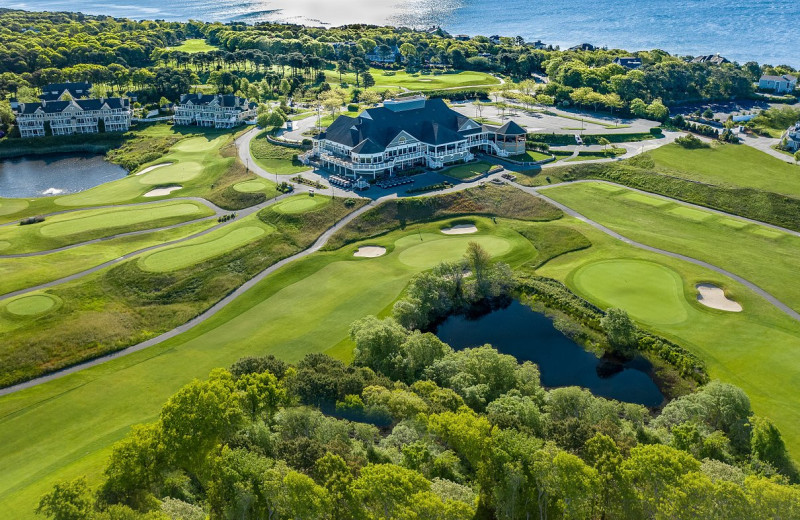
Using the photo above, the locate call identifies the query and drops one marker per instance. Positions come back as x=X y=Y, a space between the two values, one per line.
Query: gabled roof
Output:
x=221 y=100
x=367 y=146
x=511 y=128
x=55 y=107
x=54 y=91
x=428 y=120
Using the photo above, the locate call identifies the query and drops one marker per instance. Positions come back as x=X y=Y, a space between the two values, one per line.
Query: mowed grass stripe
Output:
x=178 y=257
x=64 y=428
x=117 y=219
x=759 y=254
x=757 y=349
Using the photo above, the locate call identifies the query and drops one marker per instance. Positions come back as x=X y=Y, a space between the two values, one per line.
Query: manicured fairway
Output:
x=80 y=226
x=201 y=249
x=762 y=255
x=193 y=45
x=419 y=81
x=731 y=165
x=307 y=306
x=757 y=349
x=20 y=273
x=299 y=204
x=198 y=144
x=31 y=305
x=10 y=206
x=118 y=218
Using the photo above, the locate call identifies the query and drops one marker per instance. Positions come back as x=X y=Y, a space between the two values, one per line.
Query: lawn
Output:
x=204 y=164
x=729 y=165
x=20 y=273
x=761 y=255
x=593 y=156
x=196 y=250
x=273 y=158
x=659 y=292
x=64 y=428
x=530 y=156
x=465 y=172
x=194 y=45
x=418 y=81
x=83 y=225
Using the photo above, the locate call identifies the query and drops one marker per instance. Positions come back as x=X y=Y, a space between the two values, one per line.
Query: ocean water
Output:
x=766 y=31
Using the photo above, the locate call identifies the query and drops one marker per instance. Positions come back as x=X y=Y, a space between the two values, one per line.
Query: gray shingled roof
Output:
x=430 y=121
x=54 y=107
x=205 y=99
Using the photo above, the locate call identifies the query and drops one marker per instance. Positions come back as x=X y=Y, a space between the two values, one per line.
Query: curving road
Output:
x=750 y=285
x=243 y=143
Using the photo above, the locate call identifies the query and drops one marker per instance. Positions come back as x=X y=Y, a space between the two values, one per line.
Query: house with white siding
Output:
x=408 y=133
x=213 y=111
x=73 y=116
x=779 y=84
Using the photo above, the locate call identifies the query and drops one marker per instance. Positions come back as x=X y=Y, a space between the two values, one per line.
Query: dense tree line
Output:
x=266 y=60
x=413 y=429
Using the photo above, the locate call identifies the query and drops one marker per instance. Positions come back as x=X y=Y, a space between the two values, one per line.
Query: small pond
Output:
x=55 y=174
x=530 y=336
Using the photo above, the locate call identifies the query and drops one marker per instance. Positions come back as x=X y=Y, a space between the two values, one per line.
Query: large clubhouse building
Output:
x=215 y=111
x=406 y=133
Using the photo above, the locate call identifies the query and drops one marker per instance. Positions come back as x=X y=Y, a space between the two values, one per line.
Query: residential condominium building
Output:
x=406 y=133
x=75 y=116
x=217 y=110
x=779 y=84
x=791 y=139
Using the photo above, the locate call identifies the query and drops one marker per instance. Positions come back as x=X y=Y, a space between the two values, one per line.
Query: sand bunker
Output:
x=151 y=168
x=370 y=251
x=460 y=229
x=160 y=192
x=714 y=297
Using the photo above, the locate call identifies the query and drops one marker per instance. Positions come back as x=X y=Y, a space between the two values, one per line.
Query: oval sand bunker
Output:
x=160 y=192
x=151 y=168
x=714 y=297
x=460 y=229
x=370 y=251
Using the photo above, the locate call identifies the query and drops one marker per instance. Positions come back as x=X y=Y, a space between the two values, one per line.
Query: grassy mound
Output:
x=31 y=305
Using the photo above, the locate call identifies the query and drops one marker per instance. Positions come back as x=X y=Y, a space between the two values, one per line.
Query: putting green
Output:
x=178 y=172
x=31 y=305
x=198 y=144
x=650 y=292
x=434 y=249
x=299 y=204
x=250 y=186
x=118 y=218
x=183 y=256
x=10 y=206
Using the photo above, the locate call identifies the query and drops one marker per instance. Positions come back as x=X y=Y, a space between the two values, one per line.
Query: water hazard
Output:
x=530 y=336
x=56 y=174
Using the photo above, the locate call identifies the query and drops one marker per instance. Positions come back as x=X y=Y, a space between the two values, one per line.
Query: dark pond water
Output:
x=529 y=336
x=56 y=174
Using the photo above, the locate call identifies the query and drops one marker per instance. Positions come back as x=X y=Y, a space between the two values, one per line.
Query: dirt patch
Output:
x=714 y=297
x=370 y=251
